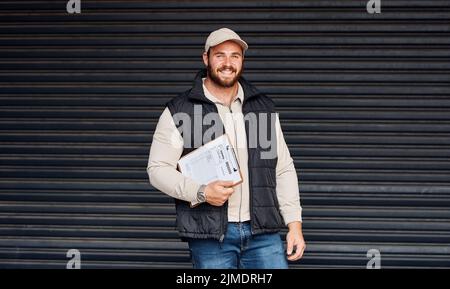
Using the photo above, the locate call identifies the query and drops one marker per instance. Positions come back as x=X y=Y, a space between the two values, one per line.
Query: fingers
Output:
x=225 y=187
x=228 y=191
x=296 y=256
x=303 y=251
x=290 y=246
x=297 y=242
x=225 y=183
x=218 y=192
x=300 y=249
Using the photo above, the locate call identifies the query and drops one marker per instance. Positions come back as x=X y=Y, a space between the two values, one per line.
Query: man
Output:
x=230 y=226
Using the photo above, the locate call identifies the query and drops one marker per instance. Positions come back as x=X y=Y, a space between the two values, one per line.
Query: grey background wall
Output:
x=364 y=103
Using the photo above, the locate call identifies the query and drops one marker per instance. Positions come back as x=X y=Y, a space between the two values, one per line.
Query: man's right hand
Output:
x=218 y=192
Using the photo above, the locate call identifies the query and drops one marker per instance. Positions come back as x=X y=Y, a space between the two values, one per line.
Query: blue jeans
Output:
x=239 y=250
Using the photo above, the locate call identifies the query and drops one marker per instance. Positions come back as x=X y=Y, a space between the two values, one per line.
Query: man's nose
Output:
x=227 y=61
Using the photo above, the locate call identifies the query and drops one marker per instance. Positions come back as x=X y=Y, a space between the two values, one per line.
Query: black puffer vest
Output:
x=205 y=220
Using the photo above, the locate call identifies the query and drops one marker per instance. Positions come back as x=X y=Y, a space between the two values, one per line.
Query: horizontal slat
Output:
x=274 y=77
x=82 y=163
x=18 y=53
x=162 y=233
x=217 y=16
x=342 y=138
x=189 y=66
x=244 y=28
x=31 y=125
x=174 y=4
x=303 y=114
x=77 y=101
x=308 y=197
x=335 y=187
x=359 y=150
x=326 y=173
x=132 y=209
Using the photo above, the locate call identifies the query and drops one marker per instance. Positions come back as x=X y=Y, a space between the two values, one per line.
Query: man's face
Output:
x=224 y=63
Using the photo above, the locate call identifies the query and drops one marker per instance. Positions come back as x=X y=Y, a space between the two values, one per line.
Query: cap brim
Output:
x=242 y=43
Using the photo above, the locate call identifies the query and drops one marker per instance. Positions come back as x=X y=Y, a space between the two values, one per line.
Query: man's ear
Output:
x=205 y=58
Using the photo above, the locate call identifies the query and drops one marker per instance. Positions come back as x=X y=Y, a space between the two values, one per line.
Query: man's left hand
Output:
x=295 y=240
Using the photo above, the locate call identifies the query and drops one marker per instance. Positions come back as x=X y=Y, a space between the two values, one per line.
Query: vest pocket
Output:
x=202 y=220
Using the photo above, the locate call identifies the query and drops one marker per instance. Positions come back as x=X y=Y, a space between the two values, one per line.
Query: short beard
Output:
x=216 y=79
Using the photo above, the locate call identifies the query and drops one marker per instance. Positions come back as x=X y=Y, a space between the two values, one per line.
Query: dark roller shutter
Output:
x=364 y=103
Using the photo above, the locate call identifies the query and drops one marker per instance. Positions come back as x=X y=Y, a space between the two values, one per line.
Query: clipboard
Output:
x=215 y=160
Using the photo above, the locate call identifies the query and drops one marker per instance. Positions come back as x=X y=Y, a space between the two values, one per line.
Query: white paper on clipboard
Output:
x=213 y=161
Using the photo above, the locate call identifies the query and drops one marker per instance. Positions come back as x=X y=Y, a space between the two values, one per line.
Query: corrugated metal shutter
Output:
x=364 y=102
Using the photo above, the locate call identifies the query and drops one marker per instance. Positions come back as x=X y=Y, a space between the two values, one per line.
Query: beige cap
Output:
x=224 y=34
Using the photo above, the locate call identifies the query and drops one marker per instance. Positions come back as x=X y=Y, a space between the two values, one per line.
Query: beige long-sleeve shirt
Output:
x=167 y=147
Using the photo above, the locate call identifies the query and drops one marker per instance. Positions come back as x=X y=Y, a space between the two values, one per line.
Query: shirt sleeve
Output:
x=287 y=183
x=165 y=151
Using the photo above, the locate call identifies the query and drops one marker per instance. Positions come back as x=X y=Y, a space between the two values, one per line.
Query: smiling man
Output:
x=230 y=226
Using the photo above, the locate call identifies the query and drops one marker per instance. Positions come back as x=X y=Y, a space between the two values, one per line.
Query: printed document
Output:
x=215 y=160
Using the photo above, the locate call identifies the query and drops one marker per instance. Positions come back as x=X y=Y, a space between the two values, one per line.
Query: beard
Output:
x=215 y=77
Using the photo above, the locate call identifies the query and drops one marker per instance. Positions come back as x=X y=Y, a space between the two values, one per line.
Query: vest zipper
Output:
x=250 y=191
x=237 y=155
x=223 y=222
